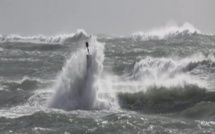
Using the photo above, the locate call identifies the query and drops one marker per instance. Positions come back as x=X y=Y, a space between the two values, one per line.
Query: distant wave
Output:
x=167 y=32
x=26 y=84
x=61 y=38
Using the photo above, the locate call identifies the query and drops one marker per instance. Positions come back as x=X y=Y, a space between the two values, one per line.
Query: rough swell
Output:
x=165 y=100
x=57 y=39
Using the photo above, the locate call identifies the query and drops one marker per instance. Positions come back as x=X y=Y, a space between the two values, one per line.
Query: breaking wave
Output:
x=166 y=85
x=62 y=38
x=167 y=32
x=170 y=72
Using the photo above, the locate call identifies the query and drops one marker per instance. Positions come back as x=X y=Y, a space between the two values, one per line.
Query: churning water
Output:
x=156 y=82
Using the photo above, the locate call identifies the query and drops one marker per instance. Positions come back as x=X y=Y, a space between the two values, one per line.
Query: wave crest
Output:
x=169 y=72
x=167 y=32
x=26 y=84
x=61 y=38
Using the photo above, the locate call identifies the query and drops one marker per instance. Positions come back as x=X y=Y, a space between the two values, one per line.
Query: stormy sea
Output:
x=156 y=82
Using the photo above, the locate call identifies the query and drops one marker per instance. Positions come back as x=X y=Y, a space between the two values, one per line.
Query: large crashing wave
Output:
x=167 y=32
x=61 y=38
x=166 y=84
x=161 y=33
x=169 y=72
x=79 y=87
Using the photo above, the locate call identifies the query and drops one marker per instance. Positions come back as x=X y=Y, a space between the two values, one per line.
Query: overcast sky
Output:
x=121 y=17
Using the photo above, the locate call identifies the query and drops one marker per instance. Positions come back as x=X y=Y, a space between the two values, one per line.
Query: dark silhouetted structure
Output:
x=87 y=45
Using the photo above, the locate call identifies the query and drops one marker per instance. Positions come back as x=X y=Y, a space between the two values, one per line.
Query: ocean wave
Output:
x=166 y=85
x=8 y=99
x=200 y=111
x=193 y=65
x=32 y=46
x=25 y=84
x=171 y=72
x=20 y=92
x=61 y=38
x=167 y=32
x=165 y=100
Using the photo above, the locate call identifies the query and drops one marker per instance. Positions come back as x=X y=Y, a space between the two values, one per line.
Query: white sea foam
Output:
x=60 y=38
x=166 y=72
x=166 y=32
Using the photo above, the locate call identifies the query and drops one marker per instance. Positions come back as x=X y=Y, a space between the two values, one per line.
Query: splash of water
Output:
x=79 y=85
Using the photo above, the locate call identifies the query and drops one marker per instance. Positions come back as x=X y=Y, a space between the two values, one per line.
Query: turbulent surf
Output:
x=160 y=81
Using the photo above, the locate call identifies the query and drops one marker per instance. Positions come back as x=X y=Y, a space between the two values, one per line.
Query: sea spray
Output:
x=167 y=32
x=78 y=85
x=162 y=108
x=59 y=39
x=165 y=72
